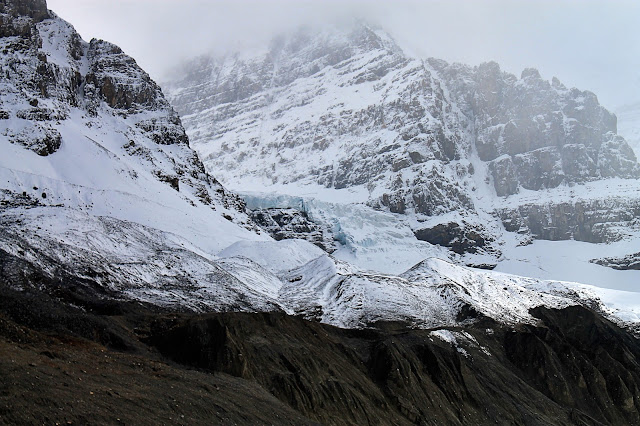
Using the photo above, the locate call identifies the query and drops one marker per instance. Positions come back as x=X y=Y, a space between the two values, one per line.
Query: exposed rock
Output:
x=39 y=139
x=539 y=169
x=405 y=130
x=573 y=367
x=616 y=158
x=504 y=174
x=119 y=81
x=51 y=77
x=461 y=239
x=623 y=263
x=593 y=221
x=292 y=223
x=34 y=9
x=586 y=366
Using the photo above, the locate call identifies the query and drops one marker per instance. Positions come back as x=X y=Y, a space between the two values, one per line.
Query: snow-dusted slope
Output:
x=97 y=176
x=411 y=153
x=97 y=182
x=433 y=293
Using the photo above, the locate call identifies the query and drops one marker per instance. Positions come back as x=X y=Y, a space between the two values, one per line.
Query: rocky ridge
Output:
x=124 y=202
x=289 y=223
x=114 y=361
x=50 y=77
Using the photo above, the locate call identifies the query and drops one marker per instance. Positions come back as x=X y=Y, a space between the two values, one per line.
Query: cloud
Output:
x=593 y=45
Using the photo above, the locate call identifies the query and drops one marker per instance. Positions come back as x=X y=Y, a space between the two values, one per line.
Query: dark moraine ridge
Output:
x=75 y=354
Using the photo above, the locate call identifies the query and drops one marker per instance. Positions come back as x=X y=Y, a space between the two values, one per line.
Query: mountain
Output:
x=100 y=184
x=129 y=275
x=472 y=159
x=98 y=177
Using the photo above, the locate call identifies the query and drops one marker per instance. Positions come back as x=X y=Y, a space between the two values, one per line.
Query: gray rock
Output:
x=292 y=223
x=411 y=136
x=622 y=263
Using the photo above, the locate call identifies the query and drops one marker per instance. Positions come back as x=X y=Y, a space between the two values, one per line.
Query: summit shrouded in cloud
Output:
x=580 y=42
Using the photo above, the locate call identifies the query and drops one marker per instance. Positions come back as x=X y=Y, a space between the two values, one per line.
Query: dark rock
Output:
x=291 y=223
x=572 y=367
x=485 y=266
x=133 y=93
x=623 y=263
x=505 y=178
x=585 y=366
x=173 y=181
x=593 y=221
x=539 y=169
x=34 y=9
x=460 y=239
x=41 y=140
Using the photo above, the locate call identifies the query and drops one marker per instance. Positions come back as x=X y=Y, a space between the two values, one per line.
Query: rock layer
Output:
x=346 y=108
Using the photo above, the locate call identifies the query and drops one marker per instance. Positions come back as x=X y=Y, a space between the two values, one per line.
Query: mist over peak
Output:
x=579 y=42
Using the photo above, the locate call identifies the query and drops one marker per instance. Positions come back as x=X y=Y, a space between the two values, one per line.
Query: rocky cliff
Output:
x=345 y=109
x=50 y=76
x=98 y=178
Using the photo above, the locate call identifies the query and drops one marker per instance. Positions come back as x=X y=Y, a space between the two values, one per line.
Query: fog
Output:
x=593 y=45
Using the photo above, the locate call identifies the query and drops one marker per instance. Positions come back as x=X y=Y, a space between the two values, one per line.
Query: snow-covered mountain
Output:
x=110 y=227
x=98 y=183
x=403 y=157
x=97 y=175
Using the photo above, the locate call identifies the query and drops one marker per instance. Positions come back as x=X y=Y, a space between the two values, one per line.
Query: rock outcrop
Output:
x=622 y=263
x=292 y=223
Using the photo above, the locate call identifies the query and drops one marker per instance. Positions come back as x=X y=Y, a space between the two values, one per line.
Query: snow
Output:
x=629 y=125
x=86 y=173
x=569 y=261
x=275 y=256
x=109 y=218
x=384 y=245
x=369 y=239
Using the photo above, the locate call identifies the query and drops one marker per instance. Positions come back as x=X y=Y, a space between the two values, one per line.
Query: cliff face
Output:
x=113 y=238
x=50 y=74
x=142 y=364
x=33 y=9
x=345 y=108
x=96 y=169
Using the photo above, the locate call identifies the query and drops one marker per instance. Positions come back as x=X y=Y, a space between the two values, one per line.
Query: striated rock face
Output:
x=51 y=79
x=537 y=134
x=296 y=119
x=594 y=221
x=572 y=368
x=346 y=109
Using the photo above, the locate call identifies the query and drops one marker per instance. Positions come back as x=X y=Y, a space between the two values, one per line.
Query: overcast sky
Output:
x=592 y=45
